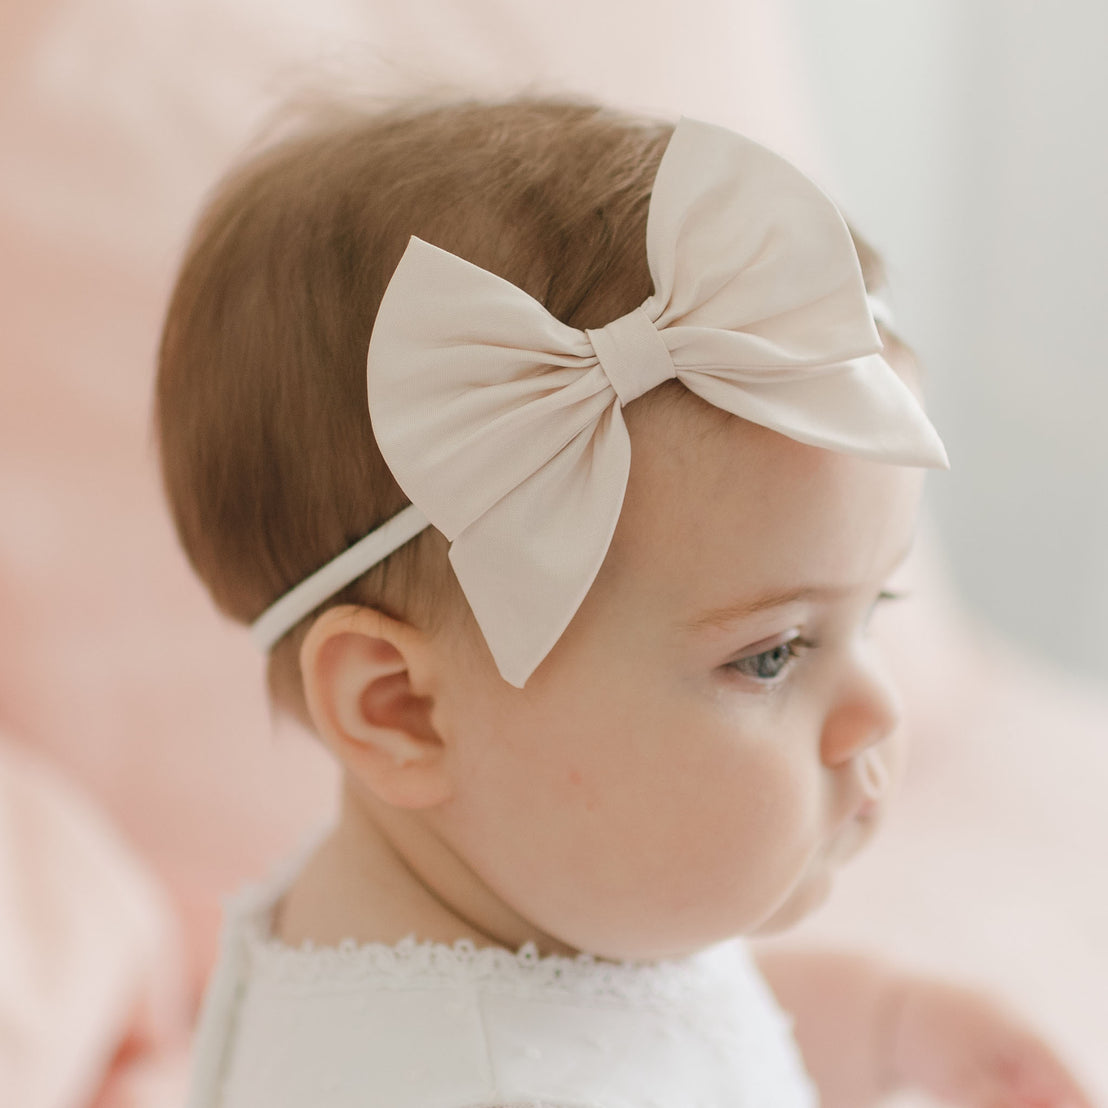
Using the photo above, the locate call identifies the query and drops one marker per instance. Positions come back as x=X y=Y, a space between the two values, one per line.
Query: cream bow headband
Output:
x=504 y=426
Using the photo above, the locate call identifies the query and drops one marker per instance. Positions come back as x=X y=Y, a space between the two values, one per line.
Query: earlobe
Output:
x=365 y=676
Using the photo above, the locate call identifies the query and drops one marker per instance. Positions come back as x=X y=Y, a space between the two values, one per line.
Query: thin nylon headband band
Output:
x=284 y=614
x=278 y=619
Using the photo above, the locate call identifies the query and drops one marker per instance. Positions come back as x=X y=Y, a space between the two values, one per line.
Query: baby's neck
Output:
x=381 y=876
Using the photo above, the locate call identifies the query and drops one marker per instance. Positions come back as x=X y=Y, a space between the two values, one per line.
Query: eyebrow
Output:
x=744 y=609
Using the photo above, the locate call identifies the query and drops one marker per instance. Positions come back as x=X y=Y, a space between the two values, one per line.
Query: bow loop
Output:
x=633 y=355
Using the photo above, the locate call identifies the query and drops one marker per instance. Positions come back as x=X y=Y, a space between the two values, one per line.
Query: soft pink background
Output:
x=114 y=117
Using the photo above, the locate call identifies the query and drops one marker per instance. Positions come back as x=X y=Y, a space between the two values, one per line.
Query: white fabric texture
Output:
x=504 y=425
x=421 y=1025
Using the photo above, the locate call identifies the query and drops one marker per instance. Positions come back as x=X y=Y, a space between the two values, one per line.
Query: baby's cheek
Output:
x=794 y=814
x=767 y=821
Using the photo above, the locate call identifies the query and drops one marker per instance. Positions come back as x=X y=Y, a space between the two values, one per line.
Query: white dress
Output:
x=422 y=1025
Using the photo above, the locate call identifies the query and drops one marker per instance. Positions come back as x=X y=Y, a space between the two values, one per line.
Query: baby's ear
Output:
x=365 y=678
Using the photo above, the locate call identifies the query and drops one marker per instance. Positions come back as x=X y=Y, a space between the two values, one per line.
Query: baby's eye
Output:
x=769 y=664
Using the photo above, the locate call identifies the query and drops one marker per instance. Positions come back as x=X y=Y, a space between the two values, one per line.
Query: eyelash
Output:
x=787 y=652
x=792 y=649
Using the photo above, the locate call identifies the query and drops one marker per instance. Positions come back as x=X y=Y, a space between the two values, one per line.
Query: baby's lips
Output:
x=873 y=774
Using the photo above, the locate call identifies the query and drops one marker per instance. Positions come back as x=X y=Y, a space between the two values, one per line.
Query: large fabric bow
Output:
x=504 y=426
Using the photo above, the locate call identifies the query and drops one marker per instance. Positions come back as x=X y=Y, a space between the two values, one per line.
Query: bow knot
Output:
x=633 y=355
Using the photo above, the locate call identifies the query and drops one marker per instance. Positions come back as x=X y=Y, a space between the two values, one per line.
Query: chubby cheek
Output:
x=686 y=850
x=759 y=831
x=645 y=832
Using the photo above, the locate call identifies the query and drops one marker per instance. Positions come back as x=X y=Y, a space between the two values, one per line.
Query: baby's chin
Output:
x=815 y=888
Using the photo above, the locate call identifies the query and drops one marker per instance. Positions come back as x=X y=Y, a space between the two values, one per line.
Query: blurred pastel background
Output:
x=141 y=773
x=968 y=139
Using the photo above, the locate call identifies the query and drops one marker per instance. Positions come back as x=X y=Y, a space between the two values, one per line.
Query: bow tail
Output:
x=858 y=407
x=526 y=565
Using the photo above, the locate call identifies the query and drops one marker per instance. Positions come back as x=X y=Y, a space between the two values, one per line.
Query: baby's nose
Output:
x=867 y=712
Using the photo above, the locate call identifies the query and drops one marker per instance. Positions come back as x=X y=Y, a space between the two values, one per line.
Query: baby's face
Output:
x=709 y=739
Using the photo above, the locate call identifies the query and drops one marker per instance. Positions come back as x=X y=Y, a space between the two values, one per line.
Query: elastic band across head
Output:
x=284 y=614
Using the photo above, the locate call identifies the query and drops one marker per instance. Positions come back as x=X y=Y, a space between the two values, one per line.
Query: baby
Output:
x=578 y=601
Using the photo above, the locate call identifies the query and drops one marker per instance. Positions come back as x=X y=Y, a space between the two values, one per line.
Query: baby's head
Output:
x=702 y=742
x=269 y=459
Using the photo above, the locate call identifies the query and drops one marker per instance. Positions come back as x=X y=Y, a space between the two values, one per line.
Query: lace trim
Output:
x=414 y=964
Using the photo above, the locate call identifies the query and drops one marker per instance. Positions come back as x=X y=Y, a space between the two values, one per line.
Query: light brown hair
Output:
x=268 y=456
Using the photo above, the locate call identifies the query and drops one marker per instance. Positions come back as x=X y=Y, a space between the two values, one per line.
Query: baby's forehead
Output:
x=712 y=497
x=684 y=445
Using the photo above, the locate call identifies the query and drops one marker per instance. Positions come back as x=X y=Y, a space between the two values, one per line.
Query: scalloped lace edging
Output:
x=415 y=964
